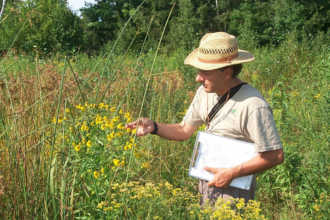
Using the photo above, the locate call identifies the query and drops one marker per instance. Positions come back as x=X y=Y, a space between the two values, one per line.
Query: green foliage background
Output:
x=48 y=25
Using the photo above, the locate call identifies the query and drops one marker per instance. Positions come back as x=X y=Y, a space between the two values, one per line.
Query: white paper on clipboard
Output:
x=220 y=152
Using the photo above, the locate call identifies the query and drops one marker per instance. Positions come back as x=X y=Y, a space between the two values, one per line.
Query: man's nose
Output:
x=199 y=78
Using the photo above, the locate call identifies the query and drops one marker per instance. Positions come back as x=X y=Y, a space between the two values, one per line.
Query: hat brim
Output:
x=192 y=60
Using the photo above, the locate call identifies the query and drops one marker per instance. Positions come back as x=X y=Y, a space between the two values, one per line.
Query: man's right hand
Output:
x=143 y=126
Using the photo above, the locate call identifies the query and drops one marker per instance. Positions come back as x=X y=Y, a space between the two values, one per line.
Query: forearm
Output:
x=173 y=131
x=177 y=132
x=261 y=162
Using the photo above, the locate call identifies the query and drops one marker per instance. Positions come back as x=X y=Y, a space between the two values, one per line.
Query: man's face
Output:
x=214 y=80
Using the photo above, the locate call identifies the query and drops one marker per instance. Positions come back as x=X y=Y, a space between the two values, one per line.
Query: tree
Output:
x=41 y=25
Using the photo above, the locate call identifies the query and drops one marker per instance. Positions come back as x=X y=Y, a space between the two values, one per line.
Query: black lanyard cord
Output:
x=223 y=100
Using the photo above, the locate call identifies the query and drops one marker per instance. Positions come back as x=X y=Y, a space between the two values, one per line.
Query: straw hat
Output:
x=217 y=50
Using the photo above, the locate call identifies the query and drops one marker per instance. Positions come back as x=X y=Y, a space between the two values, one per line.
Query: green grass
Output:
x=43 y=177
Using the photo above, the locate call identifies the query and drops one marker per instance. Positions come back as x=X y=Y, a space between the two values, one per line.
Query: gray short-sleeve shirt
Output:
x=246 y=116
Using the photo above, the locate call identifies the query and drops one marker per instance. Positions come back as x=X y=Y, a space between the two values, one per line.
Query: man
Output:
x=243 y=114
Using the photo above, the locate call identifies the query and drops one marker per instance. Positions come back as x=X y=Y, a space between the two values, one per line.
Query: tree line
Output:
x=48 y=26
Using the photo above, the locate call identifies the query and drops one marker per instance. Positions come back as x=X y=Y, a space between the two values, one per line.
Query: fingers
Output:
x=221 y=177
x=214 y=171
x=134 y=124
x=211 y=169
x=218 y=184
x=131 y=125
x=141 y=131
x=143 y=126
x=211 y=183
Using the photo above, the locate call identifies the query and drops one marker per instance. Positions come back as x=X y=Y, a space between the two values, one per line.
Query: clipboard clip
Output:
x=195 y=154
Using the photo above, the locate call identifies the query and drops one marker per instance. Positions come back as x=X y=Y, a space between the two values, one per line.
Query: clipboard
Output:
x=220 y=152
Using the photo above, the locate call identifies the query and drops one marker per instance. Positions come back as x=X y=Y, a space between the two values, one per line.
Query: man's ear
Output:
x=229 y=71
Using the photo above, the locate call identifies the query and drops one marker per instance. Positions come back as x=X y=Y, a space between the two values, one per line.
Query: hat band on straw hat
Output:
x=220 y=60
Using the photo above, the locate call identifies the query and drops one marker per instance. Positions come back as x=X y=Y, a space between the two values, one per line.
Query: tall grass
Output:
x=42 y=175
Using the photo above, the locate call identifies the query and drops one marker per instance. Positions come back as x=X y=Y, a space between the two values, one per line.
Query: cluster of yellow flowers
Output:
x=321 y=206
x=83 y=142
x=115 y=126
x=97 y=173
x=59 y=120
x=98 y=136
x=140 y=193
x=136 y=194
x=118 y=163
x=76 y=146
x=234 y=209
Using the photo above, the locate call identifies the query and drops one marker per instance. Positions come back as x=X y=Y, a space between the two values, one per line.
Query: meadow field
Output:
x=66 y=154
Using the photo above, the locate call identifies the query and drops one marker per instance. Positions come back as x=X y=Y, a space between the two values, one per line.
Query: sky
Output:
x=75 y=5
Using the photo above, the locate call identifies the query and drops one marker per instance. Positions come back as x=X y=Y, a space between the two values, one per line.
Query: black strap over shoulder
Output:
x=223 y=100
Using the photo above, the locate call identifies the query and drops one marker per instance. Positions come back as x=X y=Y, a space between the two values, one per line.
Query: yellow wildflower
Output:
x=115 y=119
x=98 y=119
x=96 y=174
x=107 y=208
x=89 y=143
x=91 y=106
x=176 y=191
x=67 y=110
x=109 y=124
x=110 y=136
x=127 y=116
x=59 y=120
x=240 y=204
x=115 y=186
x=80 y=107
x=101 y=204
x=119 y=134
x=168 y=185
x=113 y=109
x=128 y=146
x=117 y=205
x=134 y=131
x=101 y=105
x=120 y=126
x=116 y=162
x=145 y=165
x=84 y=126
x=76 y=147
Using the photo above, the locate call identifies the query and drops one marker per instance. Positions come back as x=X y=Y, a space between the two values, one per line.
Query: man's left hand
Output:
x=222 y=176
